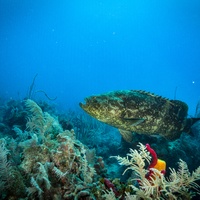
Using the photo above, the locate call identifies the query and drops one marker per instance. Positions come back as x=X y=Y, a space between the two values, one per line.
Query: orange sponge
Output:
x=160 y=165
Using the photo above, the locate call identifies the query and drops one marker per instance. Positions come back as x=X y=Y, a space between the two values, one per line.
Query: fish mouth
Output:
x=89 y=105
x=81 y=105
x=84 y=105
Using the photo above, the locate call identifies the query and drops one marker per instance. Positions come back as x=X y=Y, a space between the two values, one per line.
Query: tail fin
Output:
x=189 y=123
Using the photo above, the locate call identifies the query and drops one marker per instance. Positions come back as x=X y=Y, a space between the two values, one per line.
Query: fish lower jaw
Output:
x=81 y=105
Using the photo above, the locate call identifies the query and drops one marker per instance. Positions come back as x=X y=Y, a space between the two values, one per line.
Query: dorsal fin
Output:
x=151 y=94
x=179 y=103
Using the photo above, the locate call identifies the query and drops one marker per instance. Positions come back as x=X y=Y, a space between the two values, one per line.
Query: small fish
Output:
x=140 y=112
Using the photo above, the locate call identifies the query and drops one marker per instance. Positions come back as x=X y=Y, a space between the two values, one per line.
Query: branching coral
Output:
x=136 y=161
x=109 y=195
x=10 y=178
x=182 y=181
x=180 y=184
x=4 y=167
x=59 y=173
x=35 y=188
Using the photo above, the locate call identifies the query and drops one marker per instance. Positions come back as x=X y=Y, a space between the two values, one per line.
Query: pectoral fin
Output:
x=172 y=136
x=134 y=122
x=127 y=135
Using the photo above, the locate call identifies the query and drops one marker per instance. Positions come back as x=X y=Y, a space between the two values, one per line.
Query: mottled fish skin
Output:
x=140 y=112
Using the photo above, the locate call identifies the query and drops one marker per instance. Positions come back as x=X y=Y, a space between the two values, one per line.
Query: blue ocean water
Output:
x=80 y=48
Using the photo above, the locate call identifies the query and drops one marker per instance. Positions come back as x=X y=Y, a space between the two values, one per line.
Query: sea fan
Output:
x=39 y=122
x=36 y=120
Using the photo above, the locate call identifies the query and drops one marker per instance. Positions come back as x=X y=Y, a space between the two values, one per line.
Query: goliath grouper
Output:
x=140 y=112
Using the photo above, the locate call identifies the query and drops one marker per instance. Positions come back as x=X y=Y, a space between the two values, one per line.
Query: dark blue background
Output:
x=84 y=47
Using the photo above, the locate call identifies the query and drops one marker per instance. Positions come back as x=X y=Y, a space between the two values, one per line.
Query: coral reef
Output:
x=45 y=154
x=52 y=164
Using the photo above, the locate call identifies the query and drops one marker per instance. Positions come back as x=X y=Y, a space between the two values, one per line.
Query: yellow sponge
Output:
x=160 y=165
